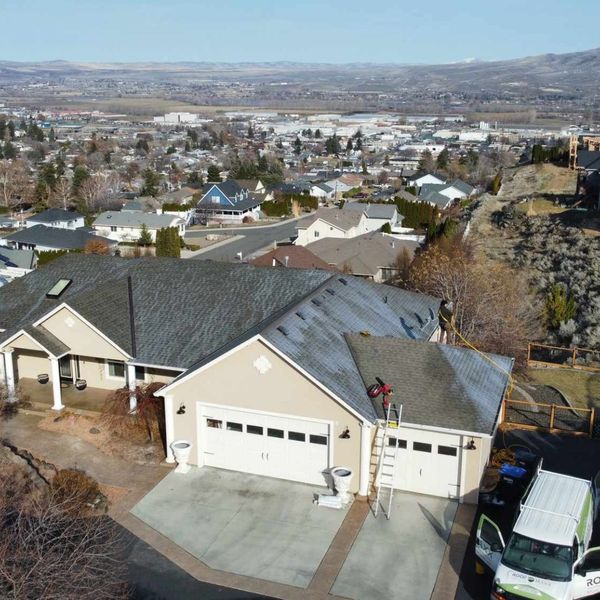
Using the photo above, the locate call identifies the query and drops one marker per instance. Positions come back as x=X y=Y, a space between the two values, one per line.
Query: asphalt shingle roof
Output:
x=315 y=329
x=47 y=340
x=55 y=214
x=342 y=219
x=22 y=259
x=135 y=219
x=55 y=237
x=436 y=384
x=183 y=310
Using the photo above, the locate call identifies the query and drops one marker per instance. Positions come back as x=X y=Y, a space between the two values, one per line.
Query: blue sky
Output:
x=415 y=31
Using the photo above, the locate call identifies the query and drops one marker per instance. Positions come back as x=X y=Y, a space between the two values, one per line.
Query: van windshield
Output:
x=540 y=559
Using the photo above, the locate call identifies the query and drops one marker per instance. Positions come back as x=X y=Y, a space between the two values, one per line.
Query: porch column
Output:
x=9 y=373
x=169 y=428
x=131 y=386
x=56 y=393
x=365 y=459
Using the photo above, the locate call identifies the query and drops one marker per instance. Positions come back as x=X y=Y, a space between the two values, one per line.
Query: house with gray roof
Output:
x=127 y=225
x=16 y=263
x=272 y=384
x=227 y=202
x=56 y=217
x=42 y=239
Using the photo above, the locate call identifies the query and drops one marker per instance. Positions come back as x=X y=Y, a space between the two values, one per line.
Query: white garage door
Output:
x=264 y=444
x=428 y=462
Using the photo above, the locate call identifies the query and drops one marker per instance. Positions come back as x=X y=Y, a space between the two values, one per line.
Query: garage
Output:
x=428 y=462
x=264 y=444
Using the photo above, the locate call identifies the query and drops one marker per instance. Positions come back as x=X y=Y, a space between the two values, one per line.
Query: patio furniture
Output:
x=43 y=378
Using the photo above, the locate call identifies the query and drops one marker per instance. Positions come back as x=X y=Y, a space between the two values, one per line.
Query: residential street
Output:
x=254 y=239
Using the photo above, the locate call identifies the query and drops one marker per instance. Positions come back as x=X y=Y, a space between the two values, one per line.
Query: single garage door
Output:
x=264 y=444
x=428 y=462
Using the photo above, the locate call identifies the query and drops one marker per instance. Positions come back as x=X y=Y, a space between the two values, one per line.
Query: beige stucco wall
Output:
x=79 y=337
x=234 y=381
x=473 y=465
x=30 y=363
x=24 y=342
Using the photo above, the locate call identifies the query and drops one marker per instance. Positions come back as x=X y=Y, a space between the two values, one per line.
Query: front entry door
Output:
x=66 y=371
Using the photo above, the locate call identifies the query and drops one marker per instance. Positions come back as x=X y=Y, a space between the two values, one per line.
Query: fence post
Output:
x=574 y=356
x=528 y=353
x=592 y=419
x=552 y=411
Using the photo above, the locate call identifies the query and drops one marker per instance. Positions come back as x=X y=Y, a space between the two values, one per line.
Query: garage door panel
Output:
x=427 y=462
x=264 y=444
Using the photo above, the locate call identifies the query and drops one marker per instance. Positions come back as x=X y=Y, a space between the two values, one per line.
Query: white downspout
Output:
x=131 y=386
x=9 y=373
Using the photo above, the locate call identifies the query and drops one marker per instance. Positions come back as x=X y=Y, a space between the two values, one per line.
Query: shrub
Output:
x=75 y=490
x=386 y=228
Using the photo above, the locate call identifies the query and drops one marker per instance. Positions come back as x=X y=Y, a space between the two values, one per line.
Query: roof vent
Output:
x=385 y=299
x=316 y=302
x=343 y=281
x=330 y=291
x=283 y=330
x=301 y=315
x=365 y=333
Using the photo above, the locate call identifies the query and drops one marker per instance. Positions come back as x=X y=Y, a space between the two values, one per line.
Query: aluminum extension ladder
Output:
x=388 y=456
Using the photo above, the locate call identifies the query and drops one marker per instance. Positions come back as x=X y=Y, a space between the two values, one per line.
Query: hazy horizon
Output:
x=265 y=31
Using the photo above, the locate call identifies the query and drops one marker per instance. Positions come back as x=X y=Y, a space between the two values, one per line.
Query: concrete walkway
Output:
x=67 y=451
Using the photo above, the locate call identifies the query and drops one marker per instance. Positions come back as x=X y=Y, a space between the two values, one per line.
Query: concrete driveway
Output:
x=399 y=558
x=245 y=524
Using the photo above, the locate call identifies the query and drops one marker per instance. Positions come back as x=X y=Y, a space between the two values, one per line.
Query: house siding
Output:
x=235 y=382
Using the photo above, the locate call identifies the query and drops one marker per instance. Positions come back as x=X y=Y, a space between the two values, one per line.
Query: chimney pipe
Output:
x=287 y=258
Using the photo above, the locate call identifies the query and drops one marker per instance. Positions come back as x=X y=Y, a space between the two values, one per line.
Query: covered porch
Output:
x=90 y=399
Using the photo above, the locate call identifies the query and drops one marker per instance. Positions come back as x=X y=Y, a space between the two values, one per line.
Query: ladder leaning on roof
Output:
x=388 y=456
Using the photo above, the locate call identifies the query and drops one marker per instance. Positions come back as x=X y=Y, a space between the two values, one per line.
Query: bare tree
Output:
x=14 y=182
x=98 y=191
x=49 y=550
x=62 y=193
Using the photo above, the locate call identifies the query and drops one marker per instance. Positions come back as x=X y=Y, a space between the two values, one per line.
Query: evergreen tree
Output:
x=11 y=130
x=365 y=171
x=80 y=174
x=318 y=134
x=145 y=238
x=332 y=145
x=52 y=136
x=358 y=145
x=250 y=132
x=214 y=174
x=10 y=151
x=425 y=162
x=297 y=146
x=349 y=146
x=151 y=183
x=386 y=161
x=560 y=306
x=496 y=183
x=442 y=159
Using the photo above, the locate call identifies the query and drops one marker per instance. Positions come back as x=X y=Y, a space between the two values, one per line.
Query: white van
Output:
x=547 y=555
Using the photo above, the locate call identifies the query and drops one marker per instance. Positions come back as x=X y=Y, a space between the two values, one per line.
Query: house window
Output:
x=234 y=426
x=116 y=369
x=316 y=234
x=396 y=442
x=113 y=228
x=215 y=199
x=421 y=447
x=140 y=374
x=214 y=423
x=447 y=450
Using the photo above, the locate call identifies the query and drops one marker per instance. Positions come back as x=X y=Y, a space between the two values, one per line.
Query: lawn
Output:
x=541 y=206
x=581 y=388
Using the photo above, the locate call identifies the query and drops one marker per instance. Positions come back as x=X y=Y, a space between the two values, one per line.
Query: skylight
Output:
x=58 y=288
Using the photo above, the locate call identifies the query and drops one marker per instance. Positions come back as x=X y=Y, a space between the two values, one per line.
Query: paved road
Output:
x=254 y=239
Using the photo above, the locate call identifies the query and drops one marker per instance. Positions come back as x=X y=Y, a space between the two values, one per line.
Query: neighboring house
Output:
x=588 y=160
x=41 y=238
x=56 y=217
x=183 y=196
x=7 y=222
x=274 y=383
x=254 y=186
x=227 y=202
x=294 y=257
x=377 y=215
x=126 y=226
x=322 y=191
x=372 y=255
x=443 y=195
x=331 y=223
x=16 y=263
x=422 y=178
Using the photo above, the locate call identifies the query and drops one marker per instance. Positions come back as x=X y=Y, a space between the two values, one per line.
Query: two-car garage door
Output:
x=427 y=462
x=264 y=444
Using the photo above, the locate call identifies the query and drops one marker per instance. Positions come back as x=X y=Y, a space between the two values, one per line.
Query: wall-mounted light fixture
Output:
x=471 y=445
x=181 y=409
x=345 y=435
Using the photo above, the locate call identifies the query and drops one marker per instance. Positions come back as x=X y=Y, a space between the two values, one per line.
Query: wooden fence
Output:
x=550 y=417
x=542 y=355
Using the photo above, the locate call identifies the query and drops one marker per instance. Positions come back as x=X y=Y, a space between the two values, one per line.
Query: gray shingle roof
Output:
x=463 y=186
x=184 y=311
x=55 y=237
x=315 y=331
x=437 y=384
x=136 y=219
x=47 y=340
x=342 y=219
x=364 y=254
x=373 y=211
x=55 y=214
x=22 y=259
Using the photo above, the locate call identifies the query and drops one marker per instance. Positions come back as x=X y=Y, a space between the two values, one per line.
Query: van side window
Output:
x=575 y=550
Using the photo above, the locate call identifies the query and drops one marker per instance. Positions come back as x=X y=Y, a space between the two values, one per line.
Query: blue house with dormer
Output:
x=227 y=202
